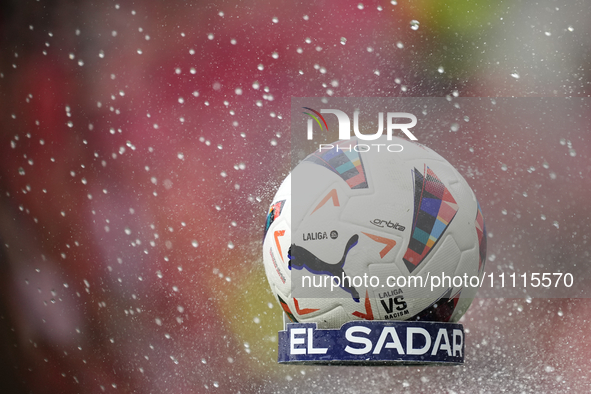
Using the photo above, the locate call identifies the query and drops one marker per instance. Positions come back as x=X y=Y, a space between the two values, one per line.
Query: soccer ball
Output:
x=381 y=231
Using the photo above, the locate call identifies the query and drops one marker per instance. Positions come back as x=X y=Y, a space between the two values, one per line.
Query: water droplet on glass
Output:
x=343 y=40
x=543 y=217
x=440 y=70
x=275 y=19
x=21 y=171
x=399 y=45
x=515 y=75
x=181 y=156
x=570 y=28
x=504 y=211
x=360 y=6
x=230 y=245
x=455 y=127
x=555 y=224
x=260 y=67
x=504 y=167
x=414 y=24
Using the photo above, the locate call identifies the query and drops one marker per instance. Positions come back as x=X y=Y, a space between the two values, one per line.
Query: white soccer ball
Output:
x=397 y=222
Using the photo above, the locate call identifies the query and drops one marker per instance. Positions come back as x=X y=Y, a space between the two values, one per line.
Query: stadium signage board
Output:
x=373 y=343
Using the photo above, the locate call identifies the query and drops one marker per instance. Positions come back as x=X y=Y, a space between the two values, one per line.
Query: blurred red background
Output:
x=141 y=145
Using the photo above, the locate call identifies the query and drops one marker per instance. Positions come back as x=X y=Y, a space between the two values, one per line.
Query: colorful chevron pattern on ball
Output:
x=274 y=212
x=434 y=210
x=481 y=232
x=344 y=161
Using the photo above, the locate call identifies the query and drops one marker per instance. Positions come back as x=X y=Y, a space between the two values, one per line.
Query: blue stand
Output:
x=389 y=342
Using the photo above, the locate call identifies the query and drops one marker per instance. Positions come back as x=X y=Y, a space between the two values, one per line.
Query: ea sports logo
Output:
x=345 y=124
